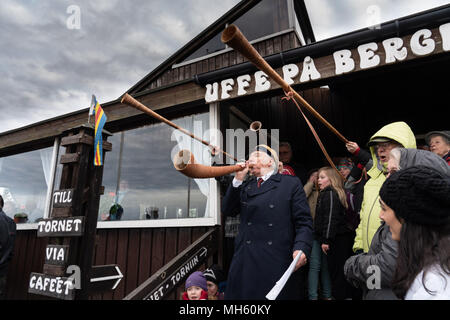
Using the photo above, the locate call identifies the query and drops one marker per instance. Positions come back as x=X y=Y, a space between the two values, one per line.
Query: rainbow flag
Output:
x=100 y=120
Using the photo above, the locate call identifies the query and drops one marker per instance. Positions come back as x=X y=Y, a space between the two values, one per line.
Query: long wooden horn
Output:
x=132 y=102
x=233 y=37
x=184 y=162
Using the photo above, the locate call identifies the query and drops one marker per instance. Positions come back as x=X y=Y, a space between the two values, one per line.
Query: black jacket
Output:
x=330 y=217
x=7 y=238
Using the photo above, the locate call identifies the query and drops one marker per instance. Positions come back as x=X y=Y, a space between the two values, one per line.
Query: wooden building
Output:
x=359 y=82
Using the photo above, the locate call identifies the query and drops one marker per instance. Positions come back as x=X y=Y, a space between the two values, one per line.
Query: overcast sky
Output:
x=48 y=68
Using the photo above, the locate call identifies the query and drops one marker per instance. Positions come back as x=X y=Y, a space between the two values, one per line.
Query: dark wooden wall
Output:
x=138 y=252
x=357 y=106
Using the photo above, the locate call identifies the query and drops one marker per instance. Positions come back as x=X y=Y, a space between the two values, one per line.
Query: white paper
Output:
x=273 y=294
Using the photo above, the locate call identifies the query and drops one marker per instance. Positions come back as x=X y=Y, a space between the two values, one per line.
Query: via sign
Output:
x=56 y=254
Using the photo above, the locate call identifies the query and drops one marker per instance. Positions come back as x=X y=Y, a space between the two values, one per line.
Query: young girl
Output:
x=331 y=230
x=196 y=288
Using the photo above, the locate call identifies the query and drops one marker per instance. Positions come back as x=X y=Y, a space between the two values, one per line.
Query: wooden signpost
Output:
x=68 y=272
x=166 y=279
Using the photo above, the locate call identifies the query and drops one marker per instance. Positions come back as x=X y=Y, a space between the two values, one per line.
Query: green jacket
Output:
x=370 y=209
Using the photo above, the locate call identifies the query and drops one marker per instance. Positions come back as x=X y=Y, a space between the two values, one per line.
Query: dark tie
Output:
x=260 y=180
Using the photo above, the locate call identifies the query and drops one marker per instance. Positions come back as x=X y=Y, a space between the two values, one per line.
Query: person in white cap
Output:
x=275 y=226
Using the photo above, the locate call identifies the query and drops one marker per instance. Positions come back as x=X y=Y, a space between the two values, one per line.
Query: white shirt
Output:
x=435 y=280
x=237 y=183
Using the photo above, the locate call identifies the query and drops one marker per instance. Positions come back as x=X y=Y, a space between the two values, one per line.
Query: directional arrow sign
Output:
x=104 y=278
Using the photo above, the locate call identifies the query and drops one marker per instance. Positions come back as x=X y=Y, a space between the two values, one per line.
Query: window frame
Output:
x=48 y=199
x=292 y=27
x=214 y=219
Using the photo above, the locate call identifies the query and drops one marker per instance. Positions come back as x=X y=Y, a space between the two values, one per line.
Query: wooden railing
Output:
x=175 y=272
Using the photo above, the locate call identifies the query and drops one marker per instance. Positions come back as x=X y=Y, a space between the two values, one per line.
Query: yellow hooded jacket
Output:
x=370 y=209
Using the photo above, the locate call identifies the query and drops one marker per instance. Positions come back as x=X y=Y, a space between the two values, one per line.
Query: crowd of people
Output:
x=376 y=228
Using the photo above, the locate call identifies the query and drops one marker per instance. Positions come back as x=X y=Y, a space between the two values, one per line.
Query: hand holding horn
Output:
x=233 y=37
x=185 y=163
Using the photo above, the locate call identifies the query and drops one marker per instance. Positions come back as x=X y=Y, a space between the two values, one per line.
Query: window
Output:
x=24 y=180
x=213 y=45
x=140 y=177
x=267 y=17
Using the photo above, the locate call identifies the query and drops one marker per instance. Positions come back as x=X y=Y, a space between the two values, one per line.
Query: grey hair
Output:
x=396 y=155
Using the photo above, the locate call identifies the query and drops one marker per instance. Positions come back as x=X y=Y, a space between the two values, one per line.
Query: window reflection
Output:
x=23 y=184
x=213 y=45
x=140 y=180
x=267 y=17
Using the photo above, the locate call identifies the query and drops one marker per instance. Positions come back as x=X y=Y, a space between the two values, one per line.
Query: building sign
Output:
x=61 y=227
x=369 y=55
x=51 y=286
x=179 y=275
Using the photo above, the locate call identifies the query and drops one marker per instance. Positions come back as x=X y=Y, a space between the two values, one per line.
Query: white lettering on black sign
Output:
x=51 y=286
x=61 y=227
x=179 y=275
x=62 y=198
x=55 y=254
x=369 y=55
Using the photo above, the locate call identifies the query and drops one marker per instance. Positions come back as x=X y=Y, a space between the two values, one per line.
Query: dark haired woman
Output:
x=415 y=203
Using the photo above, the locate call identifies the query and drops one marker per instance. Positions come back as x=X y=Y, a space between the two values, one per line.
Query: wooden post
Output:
x=73 y=221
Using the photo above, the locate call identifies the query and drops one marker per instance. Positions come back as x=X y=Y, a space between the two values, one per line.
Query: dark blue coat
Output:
x=275 y=221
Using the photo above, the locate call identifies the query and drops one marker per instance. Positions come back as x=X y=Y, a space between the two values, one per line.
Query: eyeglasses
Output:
x=385 y=145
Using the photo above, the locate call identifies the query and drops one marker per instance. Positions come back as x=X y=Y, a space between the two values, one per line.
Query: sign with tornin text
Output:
x=179 y=275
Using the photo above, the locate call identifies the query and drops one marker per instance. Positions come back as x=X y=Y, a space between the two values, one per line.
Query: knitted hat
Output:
x=197 y=279
x=214 y=274
x=418 y=194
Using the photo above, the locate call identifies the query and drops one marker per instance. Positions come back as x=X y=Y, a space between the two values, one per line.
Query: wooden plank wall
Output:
x=265 y=48
x=138 y=252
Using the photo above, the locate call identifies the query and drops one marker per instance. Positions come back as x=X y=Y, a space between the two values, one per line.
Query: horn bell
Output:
x=184 y=162
x=255 y=126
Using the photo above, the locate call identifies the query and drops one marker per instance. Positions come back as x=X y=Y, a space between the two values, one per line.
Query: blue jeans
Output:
x=318 y=265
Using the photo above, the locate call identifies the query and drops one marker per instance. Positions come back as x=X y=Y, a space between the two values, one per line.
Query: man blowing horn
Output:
x=275 y=224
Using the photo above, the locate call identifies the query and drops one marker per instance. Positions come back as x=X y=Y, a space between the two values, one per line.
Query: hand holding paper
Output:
x=273 y=294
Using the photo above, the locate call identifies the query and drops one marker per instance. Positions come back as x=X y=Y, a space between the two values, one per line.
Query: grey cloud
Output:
x=48 y=70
